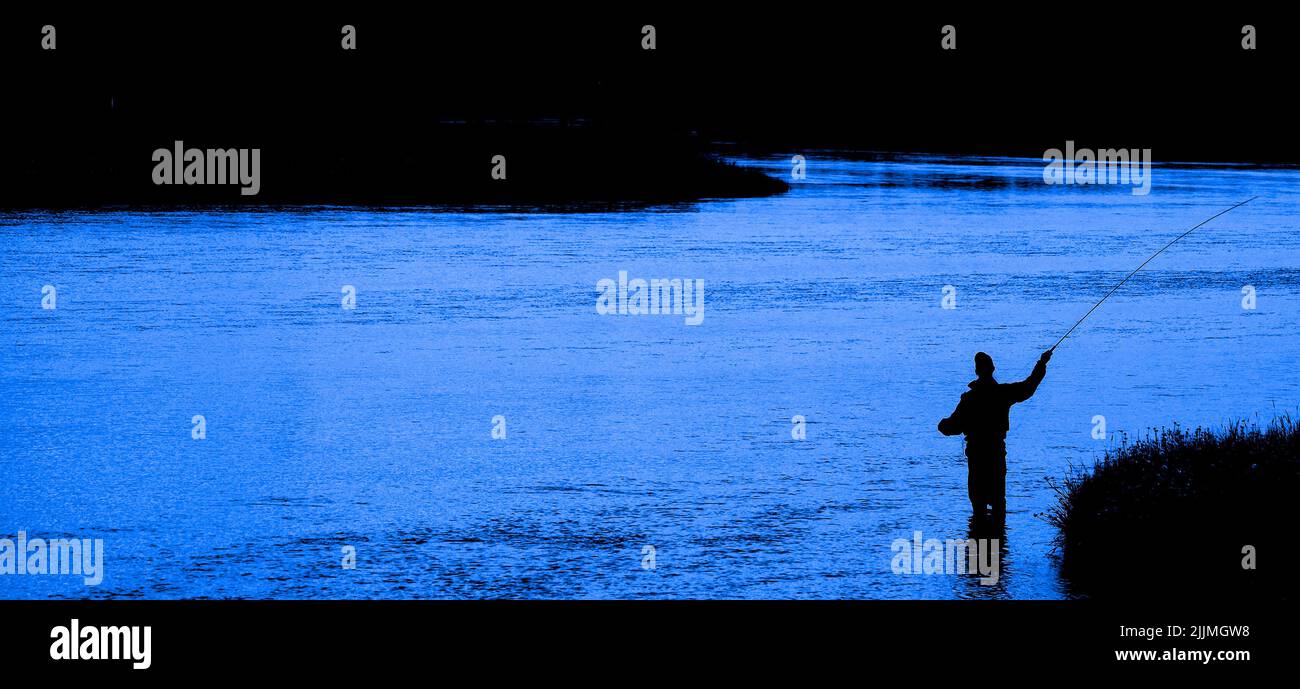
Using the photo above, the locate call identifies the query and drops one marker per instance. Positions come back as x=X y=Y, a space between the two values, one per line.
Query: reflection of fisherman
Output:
x=983 y=415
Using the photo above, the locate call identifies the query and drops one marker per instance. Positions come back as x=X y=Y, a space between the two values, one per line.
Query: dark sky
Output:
x=873 y=79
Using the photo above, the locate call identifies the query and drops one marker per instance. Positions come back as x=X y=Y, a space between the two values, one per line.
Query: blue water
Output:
x=372 y=427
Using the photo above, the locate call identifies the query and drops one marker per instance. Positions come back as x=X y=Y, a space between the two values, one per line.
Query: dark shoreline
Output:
x=573 y=174
x=1174 y=513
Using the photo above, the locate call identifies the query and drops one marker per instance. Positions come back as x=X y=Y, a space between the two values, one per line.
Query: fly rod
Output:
x=1135 y=270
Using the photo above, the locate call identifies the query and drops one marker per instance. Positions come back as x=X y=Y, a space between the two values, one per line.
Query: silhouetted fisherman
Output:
x=983 y=414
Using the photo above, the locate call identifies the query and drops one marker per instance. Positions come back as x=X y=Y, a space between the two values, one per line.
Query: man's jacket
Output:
x=984 y=411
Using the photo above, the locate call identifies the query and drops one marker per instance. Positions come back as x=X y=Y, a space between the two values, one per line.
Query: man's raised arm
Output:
x=1026 y=388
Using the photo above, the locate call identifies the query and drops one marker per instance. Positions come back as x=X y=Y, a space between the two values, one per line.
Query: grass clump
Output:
x=1177 y=512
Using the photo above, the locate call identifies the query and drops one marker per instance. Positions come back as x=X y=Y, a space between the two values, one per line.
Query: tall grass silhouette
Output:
x=1178 y=511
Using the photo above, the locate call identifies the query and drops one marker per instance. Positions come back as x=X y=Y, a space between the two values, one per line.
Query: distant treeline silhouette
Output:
x=416 y=111
x=464 y=163
x=1200 y=512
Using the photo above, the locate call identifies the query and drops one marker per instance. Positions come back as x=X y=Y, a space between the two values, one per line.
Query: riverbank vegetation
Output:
x=1181 y=511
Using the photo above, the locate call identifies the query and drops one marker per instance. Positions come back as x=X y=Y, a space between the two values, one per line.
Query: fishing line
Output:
x=1135 y=270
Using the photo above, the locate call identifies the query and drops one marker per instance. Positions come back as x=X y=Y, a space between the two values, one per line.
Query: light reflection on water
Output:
x=371 y=428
